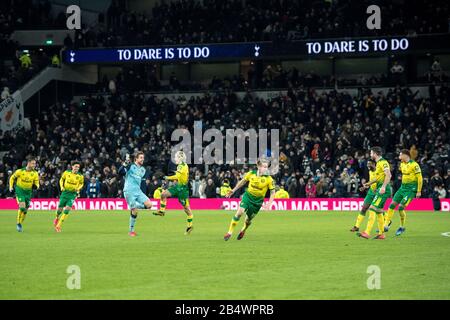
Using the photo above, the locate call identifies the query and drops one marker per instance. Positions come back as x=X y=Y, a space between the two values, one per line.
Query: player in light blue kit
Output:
x=136 y=199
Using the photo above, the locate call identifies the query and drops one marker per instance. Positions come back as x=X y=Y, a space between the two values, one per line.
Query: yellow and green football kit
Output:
x=24 y=180
x=70 y=184
x=411 y=184
x=253 y=197
x=180 y=190
x=379 y=199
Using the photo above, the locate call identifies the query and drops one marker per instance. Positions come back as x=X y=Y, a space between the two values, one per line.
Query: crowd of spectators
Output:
x=190 y=21
x=324 y=138
x=16 y=65
x=209 y=21
x=273 y=76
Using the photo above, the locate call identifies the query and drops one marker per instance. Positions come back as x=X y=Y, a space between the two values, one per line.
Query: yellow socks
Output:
x=58 y=213
x=389 y=215
x=371 y=221
x=402 y=217
x=62 y=218
x=380 y=220
x=233 y=224
x=189 y=220
x=246 y=225
x=162 y=205
x=19 y=216
x=359 y=220
x=22 y=218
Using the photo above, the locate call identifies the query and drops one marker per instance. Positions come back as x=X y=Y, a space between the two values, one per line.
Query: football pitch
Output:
x=284 y=255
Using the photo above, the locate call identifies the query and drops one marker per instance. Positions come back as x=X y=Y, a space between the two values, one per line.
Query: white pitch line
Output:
x=446 y=234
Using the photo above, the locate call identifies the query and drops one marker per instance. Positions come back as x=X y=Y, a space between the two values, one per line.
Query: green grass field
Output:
x=285 y=255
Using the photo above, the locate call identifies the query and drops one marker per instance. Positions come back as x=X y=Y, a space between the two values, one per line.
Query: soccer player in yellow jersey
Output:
x=281 y=193
x=259 y=181
x=383 y=192
x=71 y=183
x=225 y=188
x=180 y=190
x=411 y=188
x=24 y=179
x=371 y=165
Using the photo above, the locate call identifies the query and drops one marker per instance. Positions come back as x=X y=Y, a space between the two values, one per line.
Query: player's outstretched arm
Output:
x=12 y=179
x=124 y=168
x=236 y=188
x=268 y=205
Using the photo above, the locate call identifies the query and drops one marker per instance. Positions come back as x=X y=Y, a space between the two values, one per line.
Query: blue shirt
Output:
x=133 y=177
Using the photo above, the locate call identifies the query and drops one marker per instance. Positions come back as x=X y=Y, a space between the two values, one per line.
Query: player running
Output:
x=71 y=183
x=259 y=181
x=25 y=178
x=381 y=179
x=371 y=165
x=411 y=188
x=136 y=199
x=180 y=190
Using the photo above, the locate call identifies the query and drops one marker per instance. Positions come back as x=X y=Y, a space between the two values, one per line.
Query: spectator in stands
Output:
x=5 y=93
x=435 y=71
x=93 y=188
x=195 y=186
x=436 y=180
x=25 y=60
x=68 y=43
x=3 y=189
x=310 y=189
x=210 y=190
x=397 y=73
x=55 y=61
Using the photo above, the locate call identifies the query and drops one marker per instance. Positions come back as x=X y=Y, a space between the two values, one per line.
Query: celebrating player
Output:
x=371 y=165
x=25 y=178
x=411 y=187
x=259 y=181
x=70 y=183
x=180 y=190
x=136 y=199
x=381 y=179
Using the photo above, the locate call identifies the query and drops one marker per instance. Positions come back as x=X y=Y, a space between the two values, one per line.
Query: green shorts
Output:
x=380 y=199
x=369 y=198
x=23 y=195
x=251 y=204
x=67 y=199
x=181 y=192
x=404 y=196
